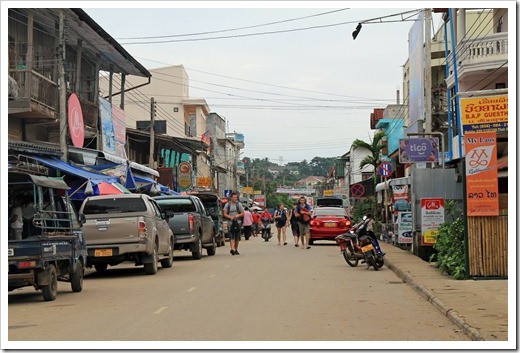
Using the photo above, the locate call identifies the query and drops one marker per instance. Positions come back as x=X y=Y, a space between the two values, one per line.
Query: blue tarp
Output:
x=95 y=178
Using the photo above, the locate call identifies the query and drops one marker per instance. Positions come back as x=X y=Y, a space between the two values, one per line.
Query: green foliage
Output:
x=451 y=254
x=362 y=208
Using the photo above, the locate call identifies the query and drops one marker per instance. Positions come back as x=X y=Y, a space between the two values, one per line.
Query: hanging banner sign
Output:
x=481 y=174
x=484 y=114
x=432 y=216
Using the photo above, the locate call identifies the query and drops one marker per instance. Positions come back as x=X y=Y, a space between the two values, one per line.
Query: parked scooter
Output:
x=266 y=228
x=349 y=246
x=361 y=244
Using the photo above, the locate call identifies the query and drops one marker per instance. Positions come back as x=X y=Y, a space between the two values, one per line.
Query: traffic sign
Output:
x=385 y=169
x=357 y=190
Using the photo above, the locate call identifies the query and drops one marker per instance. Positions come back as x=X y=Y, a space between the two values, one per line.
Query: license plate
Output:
x=367 y=248
x=11 y=252
x=330 y=225
x=102 y=252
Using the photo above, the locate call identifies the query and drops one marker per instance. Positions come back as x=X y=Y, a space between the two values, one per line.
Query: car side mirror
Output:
x=82 y=219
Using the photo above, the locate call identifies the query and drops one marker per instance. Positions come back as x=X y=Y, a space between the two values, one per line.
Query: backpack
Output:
x=283 y=217
x=238 y=207
x=304 y=217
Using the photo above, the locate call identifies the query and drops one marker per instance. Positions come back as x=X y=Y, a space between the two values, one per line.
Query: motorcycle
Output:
x=266 y=229
x=349 y=246
x=361 y=244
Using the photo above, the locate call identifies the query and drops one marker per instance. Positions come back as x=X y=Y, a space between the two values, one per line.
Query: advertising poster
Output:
x=484 y=114
x=404 y=224
x=119 y=123
x=432 y=216
x=417 y=150
x=481 y=174
x=260 y=199
x=184 y=175
x=107 y=127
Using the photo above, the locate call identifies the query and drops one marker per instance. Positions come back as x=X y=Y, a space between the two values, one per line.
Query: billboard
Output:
x=481 y=174
x=432 y=216
x=108 y=141
x=404 y=225
x=416 y=150
x=484 y=114
x=416 y=55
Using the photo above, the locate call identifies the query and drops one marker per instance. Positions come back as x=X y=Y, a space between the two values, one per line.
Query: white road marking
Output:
x=192 y=289
x=160 y=310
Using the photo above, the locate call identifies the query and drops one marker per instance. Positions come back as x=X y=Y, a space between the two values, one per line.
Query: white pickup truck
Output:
x=126 y=227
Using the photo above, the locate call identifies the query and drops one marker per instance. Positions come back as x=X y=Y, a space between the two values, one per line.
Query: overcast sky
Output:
x=294 y=82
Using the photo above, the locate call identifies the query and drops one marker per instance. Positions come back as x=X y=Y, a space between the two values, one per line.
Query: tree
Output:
x=375 y=146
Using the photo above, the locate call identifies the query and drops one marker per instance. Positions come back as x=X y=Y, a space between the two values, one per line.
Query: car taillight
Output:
x=142 y=229
x=191 y=221
x=315 y=223
x=345 y=223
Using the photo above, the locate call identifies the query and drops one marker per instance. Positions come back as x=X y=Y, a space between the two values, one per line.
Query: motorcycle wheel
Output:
x=371 y=261
x=350 y=257
x=380 y=262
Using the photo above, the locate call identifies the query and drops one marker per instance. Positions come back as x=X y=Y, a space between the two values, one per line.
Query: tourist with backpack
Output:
x=234 y=212
x=280 y=217
x=303 y=213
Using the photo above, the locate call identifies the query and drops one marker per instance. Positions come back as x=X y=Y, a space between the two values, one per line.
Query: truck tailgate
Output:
x=100 y=230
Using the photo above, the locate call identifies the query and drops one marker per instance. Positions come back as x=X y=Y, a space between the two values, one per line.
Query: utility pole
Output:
x=428 y=70
x=62 y=89
x=153 y=111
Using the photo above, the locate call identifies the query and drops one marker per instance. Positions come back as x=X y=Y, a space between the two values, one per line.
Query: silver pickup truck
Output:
x=126 y=227
x=191 y=224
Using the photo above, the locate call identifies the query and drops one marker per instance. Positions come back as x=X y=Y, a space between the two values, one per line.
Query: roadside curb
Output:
x=454 y=317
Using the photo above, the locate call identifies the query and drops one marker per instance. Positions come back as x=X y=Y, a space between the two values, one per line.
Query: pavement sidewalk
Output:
x=478 y=307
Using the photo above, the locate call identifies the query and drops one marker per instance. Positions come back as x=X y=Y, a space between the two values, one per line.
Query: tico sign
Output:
x=416 y=150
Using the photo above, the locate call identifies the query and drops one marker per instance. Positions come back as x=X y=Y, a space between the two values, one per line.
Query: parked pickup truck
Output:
x=126 y=227
x=213 y=206
x=51 y=247
x=191 y=224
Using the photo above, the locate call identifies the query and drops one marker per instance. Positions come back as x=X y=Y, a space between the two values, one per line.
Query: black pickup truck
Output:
x=53 y=249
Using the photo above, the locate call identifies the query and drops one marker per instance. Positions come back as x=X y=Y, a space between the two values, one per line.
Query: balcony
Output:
x=37 y=95
x=479 y=55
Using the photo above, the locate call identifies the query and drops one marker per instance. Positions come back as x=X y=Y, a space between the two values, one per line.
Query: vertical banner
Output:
x=119 y=124
x=432 y=216
x=107 y=127
x=481 y=174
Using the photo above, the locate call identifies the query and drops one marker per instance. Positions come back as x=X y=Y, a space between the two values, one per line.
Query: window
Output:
x=114 y=205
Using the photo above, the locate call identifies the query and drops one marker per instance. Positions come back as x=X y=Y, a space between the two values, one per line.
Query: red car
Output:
x=328 y=222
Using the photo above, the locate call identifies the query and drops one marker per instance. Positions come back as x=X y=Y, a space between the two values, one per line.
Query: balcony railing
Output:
x=35 y=88
x=490 y=48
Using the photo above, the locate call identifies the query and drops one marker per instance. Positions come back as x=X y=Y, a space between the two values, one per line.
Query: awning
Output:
x=66 y=168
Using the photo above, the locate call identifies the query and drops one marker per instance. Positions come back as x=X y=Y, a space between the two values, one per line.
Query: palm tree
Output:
x=375 y=146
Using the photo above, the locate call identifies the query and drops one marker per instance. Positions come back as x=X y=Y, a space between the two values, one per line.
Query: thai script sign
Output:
x=415 y=150
x=203 y=182
x=484 y=114
x=432 y=216
x=481 y=174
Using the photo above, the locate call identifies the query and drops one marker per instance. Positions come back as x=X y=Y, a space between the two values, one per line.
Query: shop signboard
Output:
x=481 y=174
x=260 y=199
x=404 y=224
x=184 y=175
x=75 y=120
x=484 y=114
x=432 y=216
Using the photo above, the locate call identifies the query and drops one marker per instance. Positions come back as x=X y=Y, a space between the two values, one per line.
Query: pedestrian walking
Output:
x=293 y=221
x=234 y=212
x=256 y=223
x=280 y=218
x=248 y=222
x=303 y=213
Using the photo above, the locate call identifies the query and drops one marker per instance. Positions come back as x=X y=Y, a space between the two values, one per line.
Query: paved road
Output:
x=268 y=293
